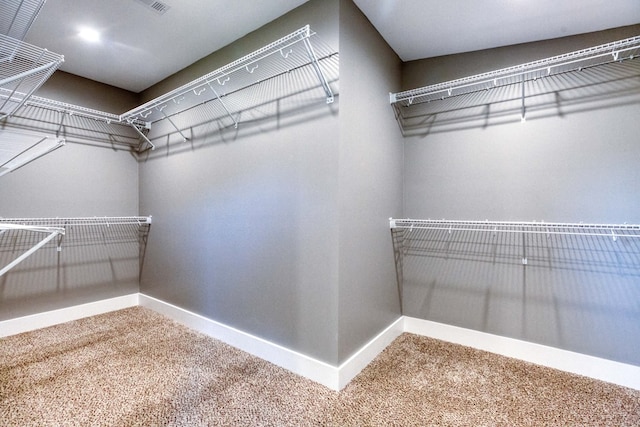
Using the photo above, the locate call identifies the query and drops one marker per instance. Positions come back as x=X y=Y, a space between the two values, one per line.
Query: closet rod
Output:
x=580 y=229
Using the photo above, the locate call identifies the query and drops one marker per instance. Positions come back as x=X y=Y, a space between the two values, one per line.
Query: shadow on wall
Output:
x=579 y=293
x=555 y=95
x=73 y=128
x=86 y=262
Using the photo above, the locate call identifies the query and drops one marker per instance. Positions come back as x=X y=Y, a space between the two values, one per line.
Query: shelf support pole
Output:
x=318 y=70
x=523 y=112
x=58 y=145
x=61 y=123
x=184 y=138
x=22 y=257
x=142 y=135
x=235 y=122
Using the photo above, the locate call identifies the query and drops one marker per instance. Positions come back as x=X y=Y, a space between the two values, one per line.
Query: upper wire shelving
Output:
x=17 y=16
x=519 y=84
x=23 y=69
x=299 y=56
x=226 y=84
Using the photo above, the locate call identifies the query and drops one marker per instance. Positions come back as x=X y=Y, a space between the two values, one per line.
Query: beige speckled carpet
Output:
x=134 y=367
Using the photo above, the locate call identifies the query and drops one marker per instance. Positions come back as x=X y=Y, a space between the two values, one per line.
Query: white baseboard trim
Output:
x=331 y=376
x=594 y=367
x=359 y=360
x=293 y=361
x=62 y=315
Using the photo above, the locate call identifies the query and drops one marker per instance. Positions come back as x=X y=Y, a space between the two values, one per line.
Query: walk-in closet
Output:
x=319 y=212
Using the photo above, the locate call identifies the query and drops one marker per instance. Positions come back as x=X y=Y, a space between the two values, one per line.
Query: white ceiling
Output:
x=140 y=47
x=418 y=29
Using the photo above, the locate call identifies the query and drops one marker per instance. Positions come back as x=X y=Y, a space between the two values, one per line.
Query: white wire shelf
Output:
x=289 y=65
x=23 y=69
x=17 y=16
x=605 y=248
x=288 y=53
x=73 y=110
x=228 y=86
x=613 y=231
x=78 y=221
x=25 y=234
x=18 y=149
x=520 y=83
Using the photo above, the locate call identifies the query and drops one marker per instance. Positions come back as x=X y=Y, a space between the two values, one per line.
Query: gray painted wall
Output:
x=79 y=179
x=370 y=187
x=246 y=221
x=561 y=165
x=280 y=228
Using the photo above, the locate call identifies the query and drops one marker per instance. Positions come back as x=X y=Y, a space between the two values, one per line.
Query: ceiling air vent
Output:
x=157 y=6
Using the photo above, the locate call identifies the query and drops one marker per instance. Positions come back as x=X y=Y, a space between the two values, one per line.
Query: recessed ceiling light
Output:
x=89 y=34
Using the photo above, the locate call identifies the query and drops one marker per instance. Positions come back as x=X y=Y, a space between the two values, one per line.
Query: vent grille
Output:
x=157 y=6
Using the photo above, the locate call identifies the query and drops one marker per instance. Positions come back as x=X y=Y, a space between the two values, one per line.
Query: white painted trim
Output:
x=330 y=376
x=594 y=367
x=62 y=315
x=333 y=377
x=358 y=361
x=293 y=361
